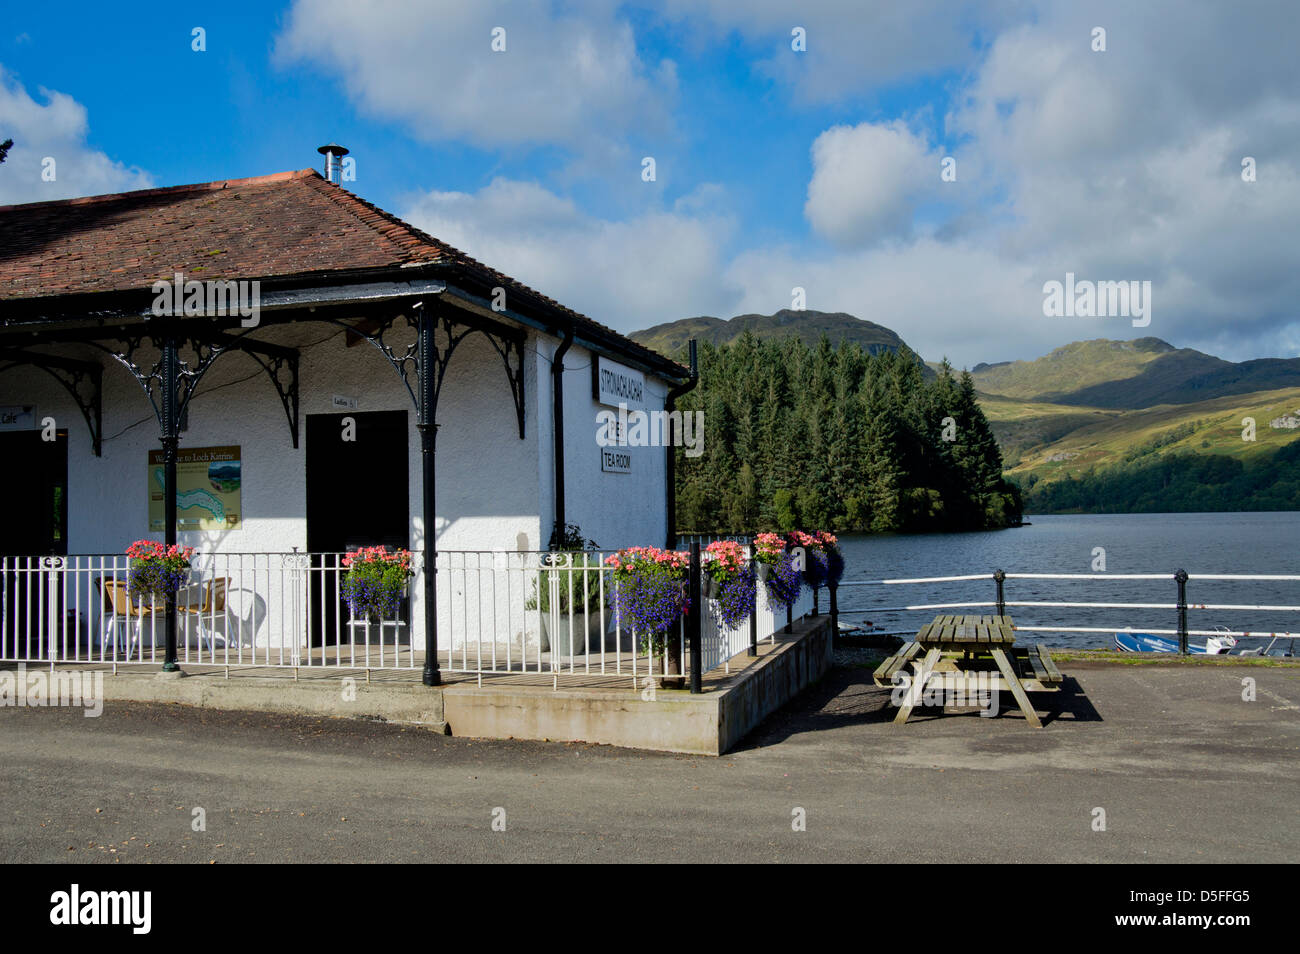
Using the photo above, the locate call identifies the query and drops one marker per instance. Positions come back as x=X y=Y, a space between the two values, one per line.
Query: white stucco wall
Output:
x=487 y=477
x=615 y=510
x=495 y=491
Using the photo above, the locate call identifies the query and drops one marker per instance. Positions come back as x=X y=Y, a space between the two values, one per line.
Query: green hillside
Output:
x=1126 y=375
x=808 y=326
x=1096 y=418
x=1070 y=368
x=1053 y=441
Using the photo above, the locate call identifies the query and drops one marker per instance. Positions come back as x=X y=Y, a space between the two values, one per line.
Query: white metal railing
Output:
x=543 y=613
x=685 y=540
x=236 y=609
x=1081 y=604
x=498 y=612
x=720 y=644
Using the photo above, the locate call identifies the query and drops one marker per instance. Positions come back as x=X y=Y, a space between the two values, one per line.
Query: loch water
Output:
x=1212 y=543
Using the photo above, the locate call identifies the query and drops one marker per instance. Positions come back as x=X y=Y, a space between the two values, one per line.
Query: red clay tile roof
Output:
x=290 y=224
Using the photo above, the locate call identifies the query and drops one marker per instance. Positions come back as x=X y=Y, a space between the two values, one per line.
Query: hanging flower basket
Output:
x=768 y=550
x=823 y=564
x=735 y=599
x=731 y=579
x=375 y=582
x=784 y=583
x=834 y=564
x=724 y=561
x=156 y=571
x=650 y=586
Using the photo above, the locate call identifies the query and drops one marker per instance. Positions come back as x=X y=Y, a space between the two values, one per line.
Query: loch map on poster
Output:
x=207 y=489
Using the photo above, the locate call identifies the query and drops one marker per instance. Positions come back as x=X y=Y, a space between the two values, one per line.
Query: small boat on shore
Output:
x=1272 y=649
x=1130 y=642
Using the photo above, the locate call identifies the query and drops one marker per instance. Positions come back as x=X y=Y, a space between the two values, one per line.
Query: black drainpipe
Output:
x=669 y=405
x=557 y=415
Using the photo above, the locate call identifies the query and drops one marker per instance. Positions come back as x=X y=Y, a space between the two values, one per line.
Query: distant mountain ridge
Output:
x=1093 y=405
x=809 y=326
x=1130 y=375
x=1100 y=373
x=1084 y=406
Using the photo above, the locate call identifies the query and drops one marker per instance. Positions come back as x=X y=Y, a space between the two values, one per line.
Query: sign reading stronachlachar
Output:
x=208 y=489
x=614 y=384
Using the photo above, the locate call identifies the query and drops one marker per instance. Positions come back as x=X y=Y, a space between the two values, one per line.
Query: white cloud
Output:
x=855 y=47
x=1126 y=164
x=866 y=180
x=625 y=274
x=570 y=74
x=55 y=129
x=959 y=299
x=1116 y=165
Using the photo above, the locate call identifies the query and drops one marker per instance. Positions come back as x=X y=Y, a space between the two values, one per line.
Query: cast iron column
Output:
x=1181 y=579
x=753 y=610
x=835 y=614
x=170 y=439
x=428 y=436
x=693 y=620
x=557 y=428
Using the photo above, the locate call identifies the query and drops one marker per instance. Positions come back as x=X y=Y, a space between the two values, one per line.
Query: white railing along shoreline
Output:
x=1181 y=607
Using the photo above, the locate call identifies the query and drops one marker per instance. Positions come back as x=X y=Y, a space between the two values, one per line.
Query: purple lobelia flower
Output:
x=784 y=584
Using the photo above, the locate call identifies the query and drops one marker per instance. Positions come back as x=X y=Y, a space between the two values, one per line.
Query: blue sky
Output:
x=775 y=168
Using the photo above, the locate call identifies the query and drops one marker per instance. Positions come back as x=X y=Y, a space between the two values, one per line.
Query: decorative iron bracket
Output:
x=505 y=341
x=84 y=380
x=508 y=343
x=274 y=361
x=207 y=345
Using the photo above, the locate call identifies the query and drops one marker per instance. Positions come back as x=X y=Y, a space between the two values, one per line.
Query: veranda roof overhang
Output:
x=85 y=317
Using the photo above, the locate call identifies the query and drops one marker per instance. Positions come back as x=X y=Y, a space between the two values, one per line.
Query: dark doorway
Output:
x=34 y=491
x=358 y=494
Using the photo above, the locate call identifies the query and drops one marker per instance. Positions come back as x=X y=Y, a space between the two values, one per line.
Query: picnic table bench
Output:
x=967 y=653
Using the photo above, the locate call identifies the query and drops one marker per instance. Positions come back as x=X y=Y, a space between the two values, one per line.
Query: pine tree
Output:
x=838 y=438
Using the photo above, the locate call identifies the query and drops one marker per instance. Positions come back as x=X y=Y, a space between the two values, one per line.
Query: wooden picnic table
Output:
x=957 y=648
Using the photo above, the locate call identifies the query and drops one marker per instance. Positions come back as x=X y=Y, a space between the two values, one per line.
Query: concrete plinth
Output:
x=650 y=718
x=590 y=708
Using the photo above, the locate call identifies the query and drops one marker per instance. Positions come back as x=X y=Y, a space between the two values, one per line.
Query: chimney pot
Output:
x=332 y=152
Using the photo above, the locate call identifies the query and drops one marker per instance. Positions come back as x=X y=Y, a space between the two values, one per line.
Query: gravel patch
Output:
x=849 y=656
